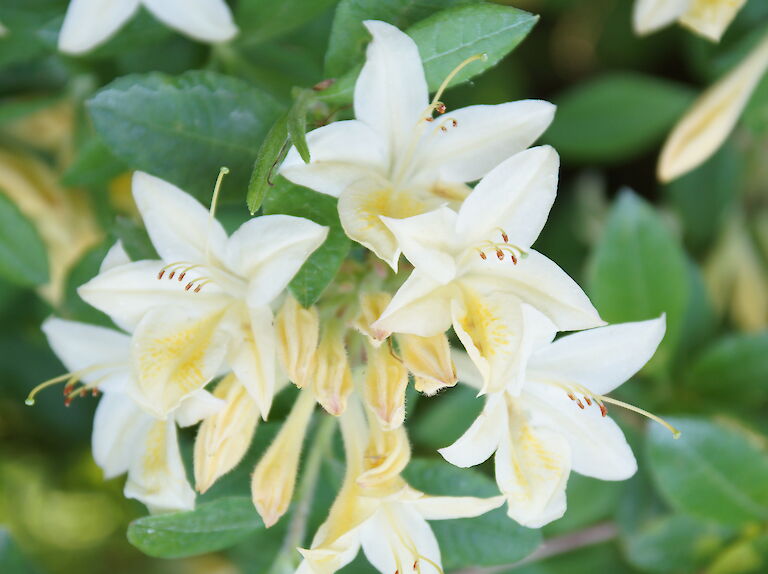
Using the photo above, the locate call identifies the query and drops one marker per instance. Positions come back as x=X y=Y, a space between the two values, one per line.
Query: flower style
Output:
x=207 y=302
x=89 y=23
x=396 y=158
x=125 y=437
x=710 y=120
x=378 y=511
x=709 y=18
x=474 y=268
x=556 y=422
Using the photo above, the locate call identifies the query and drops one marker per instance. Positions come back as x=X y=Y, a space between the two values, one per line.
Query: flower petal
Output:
x=115 y=257
x=157 y=477
x=539 y=282
x=600 y=359
x=391 y=92
x=204 y=20
x=89 y=23
x=269 y=250
x=514 y=197
x=712 y=117
x=119 y=426
x=342 y=153
x=421 y=307
x=652 y=15
x=484 y=136
x=196 y=407
x=710 y=19
x=482 y=438
x=450 y=507
x=180 y=228
x=254 y=362
x=427 y=241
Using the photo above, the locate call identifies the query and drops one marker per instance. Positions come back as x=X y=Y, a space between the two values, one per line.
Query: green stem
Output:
x=285 y=561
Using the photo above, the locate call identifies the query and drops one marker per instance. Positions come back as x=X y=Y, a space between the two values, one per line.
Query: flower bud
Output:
x=372 y=305
x=331 y=374
x=297 y=332
x=429 y=359
x=274 y=477
x=386 y=379
x=386 y=455
x=223 y=438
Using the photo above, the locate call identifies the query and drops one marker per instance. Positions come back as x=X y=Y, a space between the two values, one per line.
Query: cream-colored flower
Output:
x=556 y=422
x=331 y=376
x=709 y=18
x=298 y=331
x=396 y=158
x=90 y=23
x=475 y=268
x=710 y=120
x=386 y=379
x=207 y=302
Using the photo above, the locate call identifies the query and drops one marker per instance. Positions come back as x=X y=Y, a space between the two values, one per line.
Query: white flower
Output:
x=125 y=437
x=474 y=268
x=557 y=421
x=710 y=120
x=396 y=159
x=89 y=23
x=708 y=18
x=207 y=302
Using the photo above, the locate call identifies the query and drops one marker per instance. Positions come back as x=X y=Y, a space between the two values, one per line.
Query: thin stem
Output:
x=285 y=561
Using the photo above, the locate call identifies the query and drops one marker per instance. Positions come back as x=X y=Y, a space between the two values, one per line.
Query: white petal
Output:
x=127 y=292
x=342 y=153
x=598 y=446
x=197 y=406
x=539 y=282
x=484 y=136
x=89 y=23
x=157 y=477
x=204 y=20
x=712 y=117
x=421 y=307
x=254 y=362
x=115 y=257
x=119 y=426
x=427 y=240
x=391 y=91
x=514 y=197
x=710 y=19
x=600 y=359
x=450 y=507
x=482 y=438
x=105 y=352
x=269 y=250
x=180 y=228
x=652 y=15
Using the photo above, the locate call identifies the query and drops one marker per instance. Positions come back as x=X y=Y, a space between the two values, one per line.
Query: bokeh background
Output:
x=696 y=249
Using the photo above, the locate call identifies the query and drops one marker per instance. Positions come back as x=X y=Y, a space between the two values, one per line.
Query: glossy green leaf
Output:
x=716 y=470
x=260 y=20
x=267 y=160
x=297 y=123
x=615 y=117
x=486 y=540
x=321 y=267
x=94 y=165
x=23 y=256
x=589 y=500
x=446 y=416
x=593 y=559
x=183 y=129
x=210 y=527
x=639 y=271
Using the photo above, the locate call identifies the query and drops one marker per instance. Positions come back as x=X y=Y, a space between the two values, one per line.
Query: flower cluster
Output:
x=215 y=308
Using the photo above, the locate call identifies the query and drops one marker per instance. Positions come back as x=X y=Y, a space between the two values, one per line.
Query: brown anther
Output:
x=443 y=129
x=415 y=564
x=500 y=254
x=68 y=388
x=160 y=275
x=429 y=119
x=83 y=392
x=181 y=277
x=95 y=392
x=189 y=286
x=505 y=237
x=324 y=85
x=197 y=289
x=589 y=402
x=67 y=401
x=440 y=108
x=581 y=405
x=483 y=256
x=513 y=258
x=570 y=396
x=603 y=410
x=171 y=274
x=454 y=123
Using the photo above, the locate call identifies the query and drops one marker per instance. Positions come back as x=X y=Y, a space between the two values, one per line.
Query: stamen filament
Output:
x=638 y=410
x=70 y=378
x=212 y=214
x=452 y=75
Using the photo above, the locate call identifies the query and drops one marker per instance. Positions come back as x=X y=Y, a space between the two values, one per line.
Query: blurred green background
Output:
x=696 y=249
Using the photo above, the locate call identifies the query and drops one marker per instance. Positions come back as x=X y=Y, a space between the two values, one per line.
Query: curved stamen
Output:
x=71 y=380
x=212 y=213
x=453 y=73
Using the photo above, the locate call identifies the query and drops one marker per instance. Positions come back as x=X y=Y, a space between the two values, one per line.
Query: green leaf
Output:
x=733 y=367
x=674 y=543
x=446 y=417
x=260 y=20
x=94 y=166
x=349 y=37
x=639 y=271
x=747 y=556
x=183 y=129
x=297 y=123
x=73 y=307
x=600 y=558
x=12 y=560
x=23 y=257
x=589 y=500
x=449 y=37
x=486 y=540
x=716 y=470
x=321 y=267
x=615 y=117
x=265 y=167
x=210 y=527
x=135 y=239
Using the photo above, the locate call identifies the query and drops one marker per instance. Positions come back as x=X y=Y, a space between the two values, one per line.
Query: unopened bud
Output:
x=223 y=438
x=386 y=379
x=372 y=305
x=429 y=359
x=297 y=332
x=331 y=375
x=387 y=454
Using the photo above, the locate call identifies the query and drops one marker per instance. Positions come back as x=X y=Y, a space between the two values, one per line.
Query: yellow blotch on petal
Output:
x=297 y=331
x=274 y=477
x=386 y=379
x=223 y=438
x=429 y=359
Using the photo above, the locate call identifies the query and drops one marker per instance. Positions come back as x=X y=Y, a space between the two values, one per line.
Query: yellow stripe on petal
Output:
x=386 y=379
